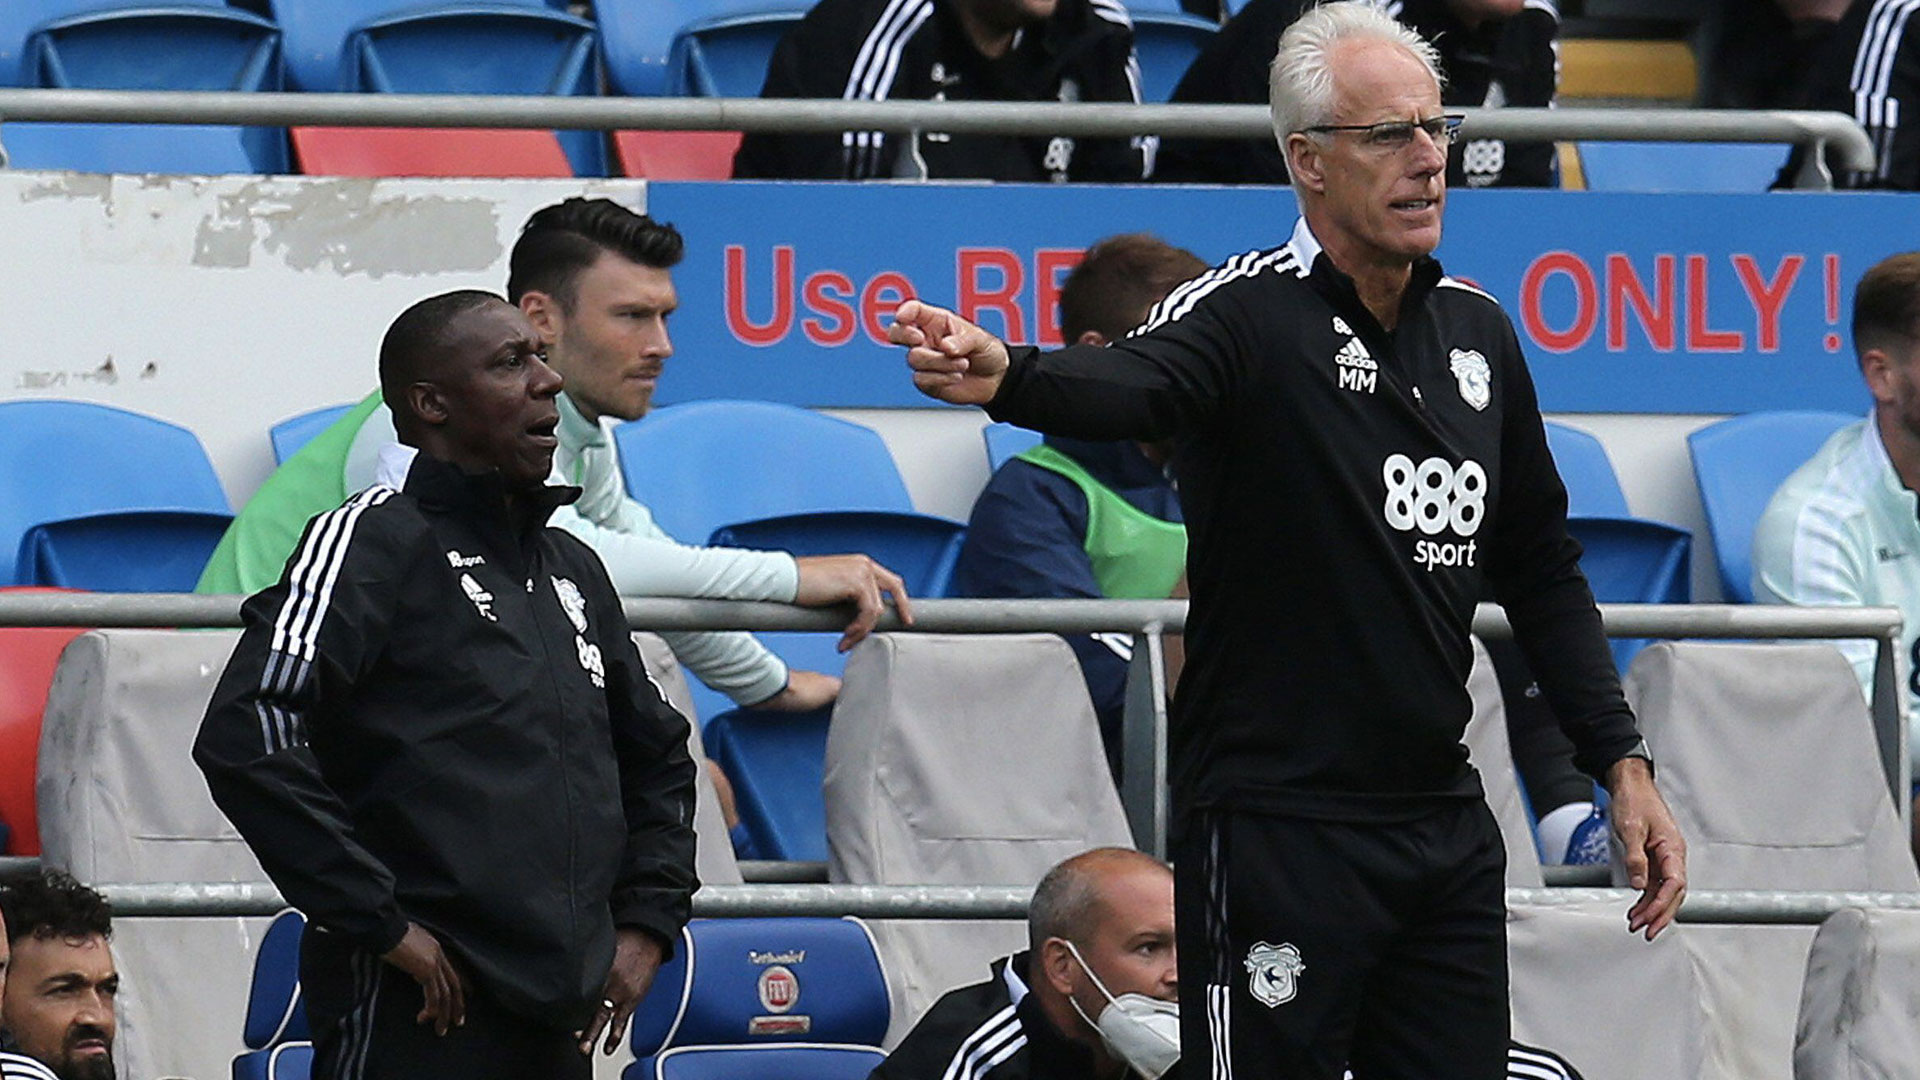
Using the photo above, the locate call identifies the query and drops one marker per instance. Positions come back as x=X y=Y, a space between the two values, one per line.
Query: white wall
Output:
x=227 y=303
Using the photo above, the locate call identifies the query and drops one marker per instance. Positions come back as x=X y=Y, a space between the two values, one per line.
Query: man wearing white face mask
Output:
x=1094 y=996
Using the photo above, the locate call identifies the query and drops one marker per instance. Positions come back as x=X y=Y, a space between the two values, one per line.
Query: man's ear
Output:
x=1057 y=965
x=543 y=311
x=427 y=404
x=1877 y=368
x=1090 y=337
x=1304 y=165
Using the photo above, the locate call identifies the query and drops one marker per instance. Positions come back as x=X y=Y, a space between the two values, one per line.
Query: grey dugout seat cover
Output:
x=120 y=800
x=1492 y=756
x=1767 y=756
x=961 y=759
x=1860 y=1005
x=713 y=853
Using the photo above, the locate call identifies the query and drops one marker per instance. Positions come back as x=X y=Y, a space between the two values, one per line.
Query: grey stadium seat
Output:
x=961 y=759
x=119 y=800
x=1860 y=1006
x=714 y=858
x=1492 y=757
x=1744 y=734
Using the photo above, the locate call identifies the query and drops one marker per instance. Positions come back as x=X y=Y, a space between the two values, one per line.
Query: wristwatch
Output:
x=1640 y=751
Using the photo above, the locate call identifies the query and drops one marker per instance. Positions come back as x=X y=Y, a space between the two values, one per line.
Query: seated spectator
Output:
x=953 y=50
x=1868 y=67
x=1094 y=995
x=57 y=994
x=595 y=279
x=1493 y=52
x=1080 y=518
x=1842 y=529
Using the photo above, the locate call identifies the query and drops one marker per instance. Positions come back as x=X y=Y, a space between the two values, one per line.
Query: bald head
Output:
x=1073 y=899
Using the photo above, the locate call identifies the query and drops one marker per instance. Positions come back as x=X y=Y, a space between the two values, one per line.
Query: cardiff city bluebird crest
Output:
x=1476 y=378
x=1273 y=973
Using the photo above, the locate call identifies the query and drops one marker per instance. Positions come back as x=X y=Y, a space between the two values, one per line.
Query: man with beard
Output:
x=57 y=994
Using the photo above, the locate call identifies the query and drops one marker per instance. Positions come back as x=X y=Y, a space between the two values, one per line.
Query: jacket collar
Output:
x=441 y=485
x=1333 y=282
x=576 y=430
x=1050 y=1052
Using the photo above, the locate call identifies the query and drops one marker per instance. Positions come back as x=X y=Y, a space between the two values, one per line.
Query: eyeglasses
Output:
x=1398 y=134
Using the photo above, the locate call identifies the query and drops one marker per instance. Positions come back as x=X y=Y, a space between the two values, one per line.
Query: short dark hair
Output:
x=406 y=349
x=53 y=904
x=1886 y=303
x=1066 y=903
x=1119 y=281
x=559 y=242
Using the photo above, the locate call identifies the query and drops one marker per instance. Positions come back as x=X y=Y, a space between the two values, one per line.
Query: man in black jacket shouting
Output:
x=436 y=735
x=1361 y=459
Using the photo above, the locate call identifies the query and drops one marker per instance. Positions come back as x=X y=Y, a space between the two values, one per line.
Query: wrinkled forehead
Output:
x=37 y=958
x=1375 y=79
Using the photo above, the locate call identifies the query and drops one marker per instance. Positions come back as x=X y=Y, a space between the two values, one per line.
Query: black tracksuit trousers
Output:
x=1311 y=946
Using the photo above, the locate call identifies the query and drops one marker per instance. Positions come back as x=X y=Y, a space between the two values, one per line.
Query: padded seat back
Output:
x=28 y=656
x=713 y=850
x=705 y=464
x=1738 y=464
x=120 y=800
x=938 y=748
x=1768 y=759
x=764 y=982
x=477 y=152
x=921 y=548
x=1617 y=1007
x=1860 y=1005
x=65 y=459
x=122 y=551
x=1492 y=756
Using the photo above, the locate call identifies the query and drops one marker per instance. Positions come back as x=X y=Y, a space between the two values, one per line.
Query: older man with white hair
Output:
x=1361 y=459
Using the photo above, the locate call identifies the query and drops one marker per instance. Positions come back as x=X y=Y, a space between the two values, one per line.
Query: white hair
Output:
x=1300 y=87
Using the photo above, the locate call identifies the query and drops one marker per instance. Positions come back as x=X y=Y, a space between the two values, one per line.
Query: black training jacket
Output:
x=916 y=50
x=993 y=1030
x=1350 y=494
x=438 y=715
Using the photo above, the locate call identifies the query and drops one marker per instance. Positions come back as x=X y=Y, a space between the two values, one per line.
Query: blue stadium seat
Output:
x=776 y=762
x=705 y=464
x=1592 y=488
x=743 y=988
x=725 y=51
x=1005 y=442
x=806 y=650
x=1634 y=561
x=275 y=1017
x=61 y=460
x=122 y=551
x=920 y=548
x=288 y=1061
x=1738 y=464
x=20 y=18
x=1166 y=43
x=1680 y=166
x=471 y=47
x=291 y=434
x=790 y=1061
x=1627 y=560
x=726 y=56
x=180 y=46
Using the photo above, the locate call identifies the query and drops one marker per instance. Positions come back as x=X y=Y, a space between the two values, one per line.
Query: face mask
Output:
x=1142 y=1031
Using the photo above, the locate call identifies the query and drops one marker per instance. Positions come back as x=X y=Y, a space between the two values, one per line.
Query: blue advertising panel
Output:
x=1626 y=303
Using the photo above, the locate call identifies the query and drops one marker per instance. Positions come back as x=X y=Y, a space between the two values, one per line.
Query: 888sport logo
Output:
x=1432 y=497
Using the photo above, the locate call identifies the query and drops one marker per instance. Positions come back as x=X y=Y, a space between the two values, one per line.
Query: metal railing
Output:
x=201 y=899
x=1143 y=787
x=1839 y=135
